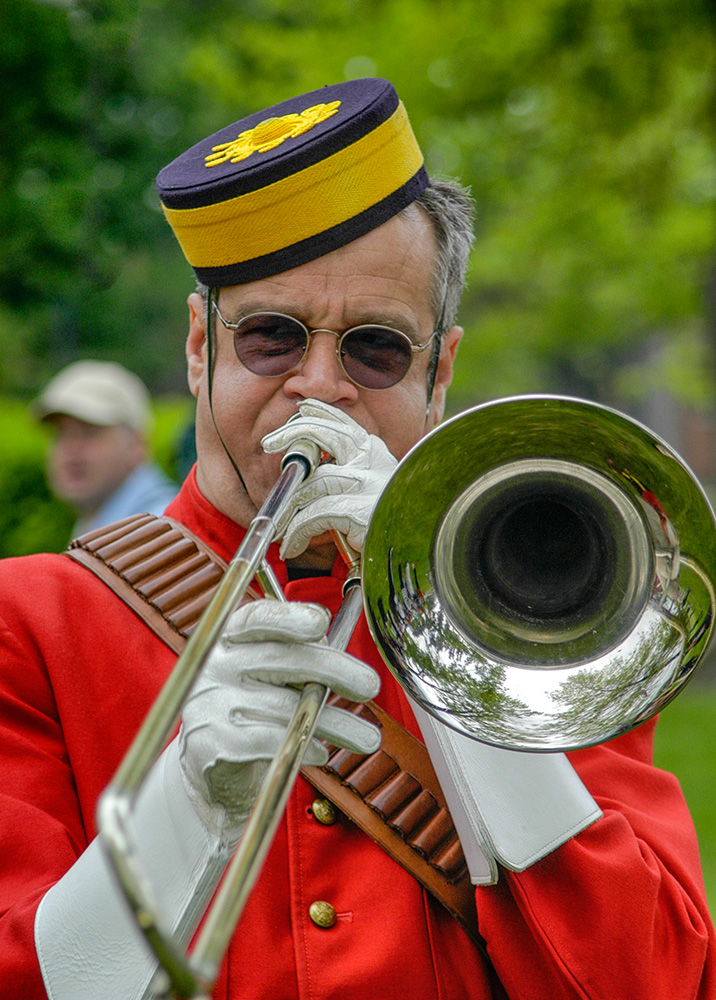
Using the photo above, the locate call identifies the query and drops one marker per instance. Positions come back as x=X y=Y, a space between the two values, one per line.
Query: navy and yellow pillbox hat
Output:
x=293 y=182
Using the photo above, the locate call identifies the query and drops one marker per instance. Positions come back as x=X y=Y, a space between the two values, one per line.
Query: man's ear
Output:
x=196 y=342
x=443 y=375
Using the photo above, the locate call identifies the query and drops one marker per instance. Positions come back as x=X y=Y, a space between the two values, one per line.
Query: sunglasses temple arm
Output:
x=435 y=355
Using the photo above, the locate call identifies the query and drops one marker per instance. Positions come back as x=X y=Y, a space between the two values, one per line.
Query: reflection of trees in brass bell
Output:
x=420 y=632
x=628 y=686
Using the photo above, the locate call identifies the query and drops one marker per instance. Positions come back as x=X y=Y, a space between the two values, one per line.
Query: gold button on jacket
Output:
x=324 y=811
x=322 y=913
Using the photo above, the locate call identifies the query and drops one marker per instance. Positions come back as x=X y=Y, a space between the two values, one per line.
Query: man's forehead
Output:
x=383 y=277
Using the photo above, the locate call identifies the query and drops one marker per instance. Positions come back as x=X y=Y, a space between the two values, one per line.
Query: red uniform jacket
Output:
x=617 y=913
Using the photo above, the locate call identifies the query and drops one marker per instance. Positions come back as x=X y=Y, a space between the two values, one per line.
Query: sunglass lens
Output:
x=269 y=344
x=375 y=356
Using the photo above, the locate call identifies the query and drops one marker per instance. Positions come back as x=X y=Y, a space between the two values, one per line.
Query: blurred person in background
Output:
x=98 y=462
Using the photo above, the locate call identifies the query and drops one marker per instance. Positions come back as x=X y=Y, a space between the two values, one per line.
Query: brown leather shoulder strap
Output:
x=158 y=568
x=394 y=796
x=167 y=576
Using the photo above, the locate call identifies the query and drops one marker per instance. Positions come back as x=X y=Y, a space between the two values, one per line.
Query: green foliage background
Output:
x=684 y=745
x=584 y=127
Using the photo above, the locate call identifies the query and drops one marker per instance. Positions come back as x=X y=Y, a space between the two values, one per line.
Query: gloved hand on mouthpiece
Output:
x=236 y=715
x=338 y=496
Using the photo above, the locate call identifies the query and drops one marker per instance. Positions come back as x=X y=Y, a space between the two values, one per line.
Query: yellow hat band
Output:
x=303 y=205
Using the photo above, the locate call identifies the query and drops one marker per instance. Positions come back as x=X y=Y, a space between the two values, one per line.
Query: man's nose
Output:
x=320 y=375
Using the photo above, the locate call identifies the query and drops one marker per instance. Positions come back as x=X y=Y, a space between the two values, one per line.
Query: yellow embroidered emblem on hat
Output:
x=270 y=133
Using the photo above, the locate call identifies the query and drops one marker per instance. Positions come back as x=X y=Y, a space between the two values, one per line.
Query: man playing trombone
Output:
x=329 y=273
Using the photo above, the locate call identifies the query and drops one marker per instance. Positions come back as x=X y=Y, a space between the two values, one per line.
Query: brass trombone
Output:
x=538 y=574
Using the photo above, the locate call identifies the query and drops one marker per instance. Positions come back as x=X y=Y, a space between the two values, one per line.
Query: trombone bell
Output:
x=547 y=582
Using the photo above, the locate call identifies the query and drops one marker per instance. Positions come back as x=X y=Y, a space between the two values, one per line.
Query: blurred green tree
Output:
x=584 y=127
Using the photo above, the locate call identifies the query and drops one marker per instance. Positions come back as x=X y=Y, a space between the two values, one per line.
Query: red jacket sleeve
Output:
x=620 y=910
x=65 y=723
x=41 y=831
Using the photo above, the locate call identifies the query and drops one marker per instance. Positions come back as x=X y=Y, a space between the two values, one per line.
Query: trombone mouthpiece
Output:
x=304 y=451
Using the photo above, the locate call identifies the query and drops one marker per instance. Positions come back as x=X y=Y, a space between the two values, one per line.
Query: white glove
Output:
x=236 y=715
x=341 y=496
x=88 y=945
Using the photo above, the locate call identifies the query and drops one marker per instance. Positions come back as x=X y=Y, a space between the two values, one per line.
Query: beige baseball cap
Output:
x=98 y=392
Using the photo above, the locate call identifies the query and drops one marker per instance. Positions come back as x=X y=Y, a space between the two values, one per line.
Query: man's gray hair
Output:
x=450 y=208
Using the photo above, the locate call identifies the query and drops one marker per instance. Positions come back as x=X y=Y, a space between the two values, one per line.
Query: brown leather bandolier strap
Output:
x=394 y=796
x=167 y=576
x=158 y=568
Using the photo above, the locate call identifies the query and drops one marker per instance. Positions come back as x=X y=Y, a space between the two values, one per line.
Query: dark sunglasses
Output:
x=373 y=357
